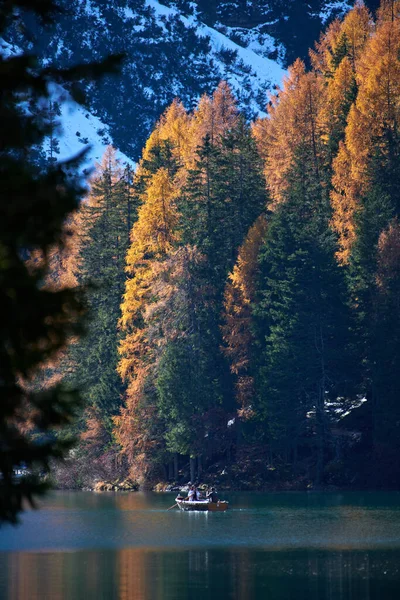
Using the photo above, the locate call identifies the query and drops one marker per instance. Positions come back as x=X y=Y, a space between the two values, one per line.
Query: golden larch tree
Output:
x=239 y=296
x=292 y=122
x=371 y=130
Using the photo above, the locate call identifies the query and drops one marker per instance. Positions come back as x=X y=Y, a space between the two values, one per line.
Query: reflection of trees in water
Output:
x=241 y=574
x=59 y=576
x=25 y=575
x=132 y=574
x=341 y=575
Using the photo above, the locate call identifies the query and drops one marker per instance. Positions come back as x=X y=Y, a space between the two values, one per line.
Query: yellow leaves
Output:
x=239 y=294
x=372 y=121
x=213 y=116
x=109 y=162
x=242 y=276
x=380 y=77
x=341 y=86
x=389 y=11
x=293 y=121
x=173 y=127
x=321 y=57
x=153 y=237
x=154 y=233
x=345 y=203
x=154 y=307
x=358 y=27
x=349 y=36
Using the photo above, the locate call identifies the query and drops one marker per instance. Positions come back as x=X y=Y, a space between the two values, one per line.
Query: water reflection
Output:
x=267 y=547
x=143 y=574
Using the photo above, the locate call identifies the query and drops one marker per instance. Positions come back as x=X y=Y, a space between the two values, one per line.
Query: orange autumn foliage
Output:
x=154 y=263
x=293 y=122
x=372 y=123
x=239 y=295
x=214 y=115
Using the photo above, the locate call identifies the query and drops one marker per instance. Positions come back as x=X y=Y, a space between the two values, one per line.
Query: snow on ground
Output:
x=80 y=129
x=77 y=127
x=264 y=71
x=7 y=50
x=338 y=7
x=253 y=39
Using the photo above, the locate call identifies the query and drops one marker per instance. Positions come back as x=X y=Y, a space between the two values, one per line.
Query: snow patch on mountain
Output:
x=76 y=128
x=255 y=39
x=335 y=9
x=80 y=129
x=254 y=73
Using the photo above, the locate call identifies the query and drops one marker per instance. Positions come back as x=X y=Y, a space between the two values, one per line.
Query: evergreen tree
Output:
x=302 y=323
x=104 y=228
x=36 y=321
x=386 y=343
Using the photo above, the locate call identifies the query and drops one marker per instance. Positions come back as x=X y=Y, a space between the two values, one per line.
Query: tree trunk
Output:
x=176 y=466
x=192 y=469
x=170 y=470
x=320 y=410
x=199 y=467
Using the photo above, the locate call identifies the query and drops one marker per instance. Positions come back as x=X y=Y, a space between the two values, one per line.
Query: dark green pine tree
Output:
x=224 y=195
x=342 y=49
x=385 y=349
x=301 y=322
x=241 y=185
x=36 y=322
x=374 y=310
x=104 y=228
x=190 y=371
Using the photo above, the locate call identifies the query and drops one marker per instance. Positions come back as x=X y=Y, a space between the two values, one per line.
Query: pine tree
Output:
x=365 y=202
x=213 y=117
x=371 y=135
x=301 y=319
x=103 y=232
x=36 y=322
x=386 y=340
x=154 y=236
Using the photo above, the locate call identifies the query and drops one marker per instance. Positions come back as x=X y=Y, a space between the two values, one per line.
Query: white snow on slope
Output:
x=338 y=7
x=80 y=129
x=74 y=119
x=264 y=71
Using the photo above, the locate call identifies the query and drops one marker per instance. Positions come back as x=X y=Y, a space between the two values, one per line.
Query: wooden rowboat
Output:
x=204 y=505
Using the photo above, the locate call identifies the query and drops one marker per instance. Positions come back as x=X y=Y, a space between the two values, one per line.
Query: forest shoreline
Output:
x=162 y=488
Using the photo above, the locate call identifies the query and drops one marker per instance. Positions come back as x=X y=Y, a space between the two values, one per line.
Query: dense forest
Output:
x=244 y=285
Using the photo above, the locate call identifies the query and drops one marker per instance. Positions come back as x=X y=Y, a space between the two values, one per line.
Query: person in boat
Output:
x=212 y=495
x=192 y=496
x=199 y=495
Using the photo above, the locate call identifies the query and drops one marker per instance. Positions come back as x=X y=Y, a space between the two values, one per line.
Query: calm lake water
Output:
x=295 y=546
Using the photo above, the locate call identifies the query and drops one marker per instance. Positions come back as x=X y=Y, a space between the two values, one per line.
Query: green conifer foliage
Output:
x=302 y=323
x=36 y=320
x=104 y=229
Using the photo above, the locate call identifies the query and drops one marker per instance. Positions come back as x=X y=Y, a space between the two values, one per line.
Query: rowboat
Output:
x=203 y=505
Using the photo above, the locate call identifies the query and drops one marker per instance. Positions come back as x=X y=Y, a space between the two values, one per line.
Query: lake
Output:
x=127 y=546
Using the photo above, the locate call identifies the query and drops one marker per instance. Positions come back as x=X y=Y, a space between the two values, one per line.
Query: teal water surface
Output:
x=82 y=545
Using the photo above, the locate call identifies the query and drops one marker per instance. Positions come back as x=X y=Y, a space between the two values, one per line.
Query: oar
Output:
x=172 y=506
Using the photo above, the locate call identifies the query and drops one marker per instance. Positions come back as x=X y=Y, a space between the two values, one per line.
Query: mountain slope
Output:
x=179 y=49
